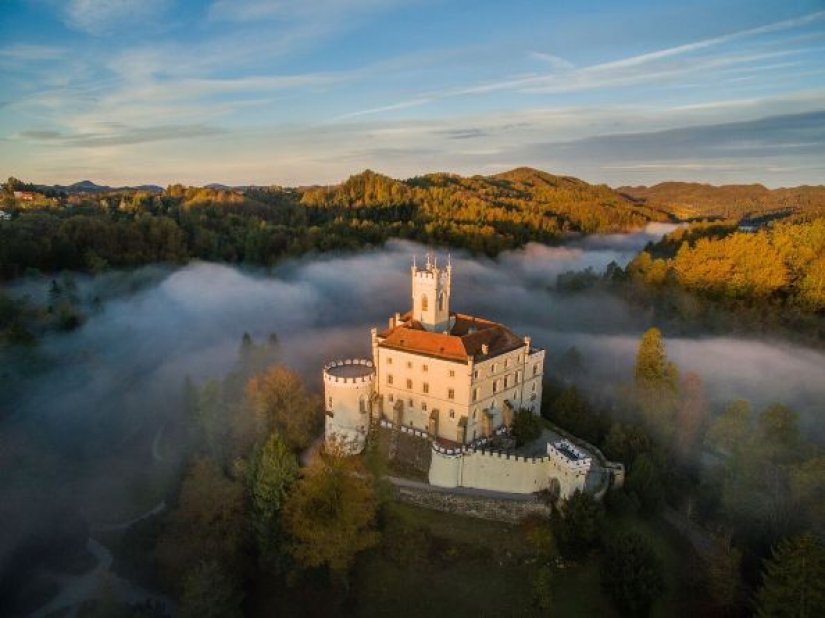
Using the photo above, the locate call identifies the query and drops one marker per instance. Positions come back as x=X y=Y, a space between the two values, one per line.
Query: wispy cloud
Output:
x=252 y=10
x=107 y=16
x=556 y=62
x=656 y=67
x=122 y=136
x=25 y=52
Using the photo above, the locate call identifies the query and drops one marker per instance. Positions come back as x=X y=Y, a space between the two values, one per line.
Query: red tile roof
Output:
x=465 y=339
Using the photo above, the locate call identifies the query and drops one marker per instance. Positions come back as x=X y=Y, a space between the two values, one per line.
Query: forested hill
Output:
x=526 y=202
x=260 y=225
x=691 y=200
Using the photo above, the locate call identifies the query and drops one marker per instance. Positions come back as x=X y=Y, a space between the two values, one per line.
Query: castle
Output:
x=456 y=380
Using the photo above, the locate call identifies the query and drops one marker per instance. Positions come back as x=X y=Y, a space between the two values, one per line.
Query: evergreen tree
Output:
x=632 y=574
x=793 y=582
x=272 y=474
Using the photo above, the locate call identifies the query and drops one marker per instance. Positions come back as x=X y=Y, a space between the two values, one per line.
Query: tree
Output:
x=280 y=399
x=645 y=479
x=793 y=581
x=526 y=427
x=542 y=593
x=272 y=474
x=778 y=432
x=210 y=592
x=690 y=415
x=731 y=430
x=656 y=383
x=577 y=523
x=330 y=514
x=722 y=574
x=208 y=524
x=632 y=574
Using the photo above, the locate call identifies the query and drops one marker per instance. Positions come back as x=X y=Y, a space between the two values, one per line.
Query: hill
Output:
x=691 y=200
x=524 y=203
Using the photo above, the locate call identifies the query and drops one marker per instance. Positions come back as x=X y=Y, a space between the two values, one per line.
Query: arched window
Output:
x=423 y=302
x=441 y=301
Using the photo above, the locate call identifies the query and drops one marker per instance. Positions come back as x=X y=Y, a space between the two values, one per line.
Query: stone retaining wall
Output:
x=481 y=507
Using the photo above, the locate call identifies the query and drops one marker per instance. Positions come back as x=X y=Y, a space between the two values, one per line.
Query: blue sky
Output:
x=298 y=92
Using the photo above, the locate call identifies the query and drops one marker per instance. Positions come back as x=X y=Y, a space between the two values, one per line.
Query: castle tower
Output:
x=431 y=295
x=348 y=388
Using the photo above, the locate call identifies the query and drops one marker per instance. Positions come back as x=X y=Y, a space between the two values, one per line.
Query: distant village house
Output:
x=24 y=196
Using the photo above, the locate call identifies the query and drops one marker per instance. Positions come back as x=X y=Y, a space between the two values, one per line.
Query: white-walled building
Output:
x=456 y=377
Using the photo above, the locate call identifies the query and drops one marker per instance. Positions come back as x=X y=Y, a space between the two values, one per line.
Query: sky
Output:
x=295 y=92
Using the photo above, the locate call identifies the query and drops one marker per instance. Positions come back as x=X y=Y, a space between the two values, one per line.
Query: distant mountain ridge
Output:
x=575 y=203
x=88 y=186
x=687 y=200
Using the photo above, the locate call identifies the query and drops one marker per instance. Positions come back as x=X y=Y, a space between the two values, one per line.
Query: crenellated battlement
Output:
x=350 y=372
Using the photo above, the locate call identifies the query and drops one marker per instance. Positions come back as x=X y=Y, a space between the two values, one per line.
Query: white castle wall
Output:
x=496 y=471
x=347 y=405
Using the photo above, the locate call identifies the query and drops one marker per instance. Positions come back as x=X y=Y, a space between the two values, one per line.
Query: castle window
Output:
x=424 y=302
x=423 y=406
x=506 y=381
x=389 y=360
x=391 y=397
x=535 y=369
x=534 y=387
x=493 y=367
x=452 y=413
x=330 y=403
x=409 y=384
x=424 y=368
x=475 y=395
x=475 y=374
x=409 y=364
x=518 y=377
x=410 y=403
x=450 y=393
x=389 y=378
x=495 y=386
x=362 y=405
x=441 y=301
x=474 y=413
x=507 y=363
x=425 y=388
x=452 y=373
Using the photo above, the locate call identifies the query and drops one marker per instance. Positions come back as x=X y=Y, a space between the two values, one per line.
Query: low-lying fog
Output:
x=91 y=416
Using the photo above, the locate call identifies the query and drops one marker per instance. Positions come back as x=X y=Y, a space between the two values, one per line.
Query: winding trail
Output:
x=75 y=589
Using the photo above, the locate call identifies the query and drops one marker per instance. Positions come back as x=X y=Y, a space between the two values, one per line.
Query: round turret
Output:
x=348 y=388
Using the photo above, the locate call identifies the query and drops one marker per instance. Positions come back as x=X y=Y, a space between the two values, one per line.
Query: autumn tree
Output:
x=209 y=591
x=793 y=581
x=723 y=577
x=690 y=415
x=207 y=524
x=330 y=513
x=731 y=430
x=656 y=383
x=279 y=398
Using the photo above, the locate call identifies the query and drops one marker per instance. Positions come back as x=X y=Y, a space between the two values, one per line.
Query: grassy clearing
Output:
x=480 y=568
